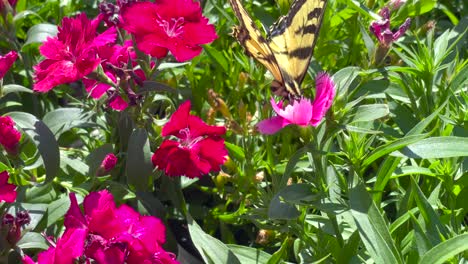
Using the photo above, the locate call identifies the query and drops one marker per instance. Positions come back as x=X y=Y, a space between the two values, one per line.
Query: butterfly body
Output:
x=288 y=48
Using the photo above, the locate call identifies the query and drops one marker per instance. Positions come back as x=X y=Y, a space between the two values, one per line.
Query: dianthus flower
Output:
x=168 y=25
x=7 y=190
x=197 y=149
x=381 y=28
x=115 y=60
x=9 y=135
x=72 y=54
x=108 y=234
x=12 y=3
x=7 y=61
x=301 y=112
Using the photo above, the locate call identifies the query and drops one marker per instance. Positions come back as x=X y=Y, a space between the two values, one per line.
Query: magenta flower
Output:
x=9 y=135
x=72 y=54
x=7 y=61
x=301 y=112
x=114 y=62
x=381 y=28
x=395 y=4
x=197 y=149
x=168 y=25
x=12 y=225
x=7 y=190
x=12 y=3
x=107 y=234
x=107 y=164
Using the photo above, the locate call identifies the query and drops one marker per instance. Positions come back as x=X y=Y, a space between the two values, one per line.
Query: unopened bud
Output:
x=107 y=164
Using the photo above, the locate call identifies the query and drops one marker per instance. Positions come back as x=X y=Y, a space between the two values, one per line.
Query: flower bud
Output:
x=107 y=164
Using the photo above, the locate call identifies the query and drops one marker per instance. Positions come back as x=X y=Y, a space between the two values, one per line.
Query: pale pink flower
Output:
x=302 y=111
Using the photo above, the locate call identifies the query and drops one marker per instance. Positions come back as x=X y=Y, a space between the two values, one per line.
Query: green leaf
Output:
x=40 y=32
x=57 y=209
x=33 y=240
x=249 y=255
x=298 y=194
x=446 y=250
x=217 y=56
x=211 y=249
x=372 y=227
x=365 y=113
x=235 y=151
x=435 y=148
x=15 y=88
x=63 y=119
x=43 y=138
x=434 y=227
x=390 y=147
x=279 y=209
x=139 y=165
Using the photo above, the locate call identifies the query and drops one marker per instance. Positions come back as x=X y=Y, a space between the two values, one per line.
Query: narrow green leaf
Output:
x=435 y=147
x=366 y=113
x=43 y=138
x=446 y=250
x=235 y=151
x=390 y=147
x=372 y=227
x=40 y=32
x=211 y=249
x=63 y=119
x=249 y=255
x=33 y=240
x=298 y=194
x=15 y=88
x=434 y=227
x=217 y=56
x=139 y=165
x=279 y=209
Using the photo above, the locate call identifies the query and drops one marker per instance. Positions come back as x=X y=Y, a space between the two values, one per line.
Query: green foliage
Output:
x=382 y=179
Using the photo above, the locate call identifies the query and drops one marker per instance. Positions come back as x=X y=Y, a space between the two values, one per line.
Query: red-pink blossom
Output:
x=72 y=54
x=7 y=190
x=301 y=112
x=7 y=61
x=114 y=62
x=177 y=26
x=381 y=28
x=107 y=234
x=9 y=135
x=12 y=3
x=197 y=149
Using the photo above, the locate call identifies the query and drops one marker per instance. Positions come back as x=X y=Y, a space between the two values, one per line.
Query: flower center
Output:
x=187 y=141
x=173 y=27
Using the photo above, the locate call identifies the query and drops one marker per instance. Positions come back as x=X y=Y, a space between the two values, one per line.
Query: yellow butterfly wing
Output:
x=292 y=40
x=254 y=43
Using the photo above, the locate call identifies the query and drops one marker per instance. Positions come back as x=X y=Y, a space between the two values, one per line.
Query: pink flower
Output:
x=12 y=3
x=395 y=4
x=107 y=164
x=114 y=62
x=7 y=61
x=168 y=25
x=115 y=235
x=197 y=149
x=72 y=54
x=9 y=135
x=301 y=112
x=7 y=190
x=381 y=28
